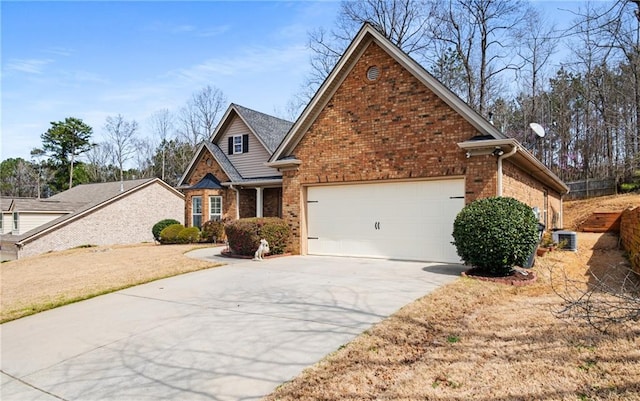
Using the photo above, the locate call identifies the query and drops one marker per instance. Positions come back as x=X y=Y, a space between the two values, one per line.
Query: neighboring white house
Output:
x=92 y=214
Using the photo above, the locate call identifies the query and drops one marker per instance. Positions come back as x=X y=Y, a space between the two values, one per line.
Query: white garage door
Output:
x=403 y=220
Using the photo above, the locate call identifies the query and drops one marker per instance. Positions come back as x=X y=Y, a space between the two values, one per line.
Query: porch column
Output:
x=259 y=202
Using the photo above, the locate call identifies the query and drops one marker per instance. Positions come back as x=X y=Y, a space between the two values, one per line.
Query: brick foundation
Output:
x=630 y=236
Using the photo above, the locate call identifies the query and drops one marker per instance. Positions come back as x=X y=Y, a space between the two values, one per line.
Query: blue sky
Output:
x=94 y=59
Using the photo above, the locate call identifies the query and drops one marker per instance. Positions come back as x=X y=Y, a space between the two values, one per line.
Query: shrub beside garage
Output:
x=494 y=234
x=212 y=231
x=244 y=235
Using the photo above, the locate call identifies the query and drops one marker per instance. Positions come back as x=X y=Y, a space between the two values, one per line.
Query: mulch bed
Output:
x=229 y=254
x=516 y=278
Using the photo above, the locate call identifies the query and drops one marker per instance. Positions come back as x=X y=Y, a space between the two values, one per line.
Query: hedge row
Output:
x=178 y=234
x=244 y=235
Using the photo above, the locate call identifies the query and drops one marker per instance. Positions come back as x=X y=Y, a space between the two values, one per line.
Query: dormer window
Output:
x=238 y=144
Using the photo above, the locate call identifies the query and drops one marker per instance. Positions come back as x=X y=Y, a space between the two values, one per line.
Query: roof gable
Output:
x=218 y=155
x=363 y=39
x=89 y=197
x=269 y=130
x=209 y=181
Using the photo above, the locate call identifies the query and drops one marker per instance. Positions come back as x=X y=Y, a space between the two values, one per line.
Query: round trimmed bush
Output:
x=169 y=235
x=244 y=234
x=212 y=231
x=161 y=225
x=188 y=235
x=494 y=234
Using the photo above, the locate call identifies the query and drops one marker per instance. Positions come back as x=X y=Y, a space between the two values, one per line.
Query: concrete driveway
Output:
x=230 y=333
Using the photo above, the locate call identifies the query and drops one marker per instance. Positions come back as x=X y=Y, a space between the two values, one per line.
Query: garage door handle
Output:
x=456 y=197
x=376 y=225
x=312 y=238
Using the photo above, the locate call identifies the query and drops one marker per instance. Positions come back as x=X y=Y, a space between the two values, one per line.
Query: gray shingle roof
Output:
x=223 y=161
x=209 y=181
x=96 y=193
x=37 y=205
x=270 y=129
x=83 y=198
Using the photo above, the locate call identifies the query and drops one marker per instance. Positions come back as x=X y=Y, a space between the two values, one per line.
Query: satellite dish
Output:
x=538 y=129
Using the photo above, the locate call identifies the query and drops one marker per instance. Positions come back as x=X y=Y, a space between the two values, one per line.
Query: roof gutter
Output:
x=500 y=158
x=525 y=159
x=256 y=183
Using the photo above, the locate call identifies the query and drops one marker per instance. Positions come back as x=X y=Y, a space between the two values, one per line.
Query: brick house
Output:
x=90 y=214
x=227 y=178
x=382 y=160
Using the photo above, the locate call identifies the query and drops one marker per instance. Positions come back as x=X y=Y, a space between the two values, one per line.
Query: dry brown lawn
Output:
x=474 y=340
x=469 y=340
x=577 y=212
x=43 y=282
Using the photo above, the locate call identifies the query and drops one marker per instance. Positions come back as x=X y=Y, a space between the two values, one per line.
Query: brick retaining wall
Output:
x=630 y=235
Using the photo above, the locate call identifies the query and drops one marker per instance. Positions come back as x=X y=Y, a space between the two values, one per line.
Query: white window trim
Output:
x=193 y=211
x=15 y=223
x=237 y=141
x=211 y=214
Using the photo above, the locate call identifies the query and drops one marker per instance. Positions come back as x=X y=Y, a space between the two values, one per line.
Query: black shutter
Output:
x=245 y=143
x=230 y=150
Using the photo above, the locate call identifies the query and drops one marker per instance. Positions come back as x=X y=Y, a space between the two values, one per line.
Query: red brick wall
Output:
x=207 y=164
x=272 y=202
x=630 y=236
x=247 y=203
x=390 y=128
x=518 y=184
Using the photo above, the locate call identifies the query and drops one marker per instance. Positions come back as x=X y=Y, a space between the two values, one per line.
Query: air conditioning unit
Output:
x=566 y=240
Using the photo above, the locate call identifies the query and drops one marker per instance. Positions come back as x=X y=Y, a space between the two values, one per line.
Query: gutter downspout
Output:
x=504 y=156
x=237 y=201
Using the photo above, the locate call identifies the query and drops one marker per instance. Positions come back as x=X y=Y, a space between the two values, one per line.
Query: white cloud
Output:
x=251 y=61
x=213 y=31
x=29 y=66
x=59 y=51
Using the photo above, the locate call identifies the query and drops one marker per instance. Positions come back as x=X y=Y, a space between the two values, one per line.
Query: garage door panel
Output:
x=408 y=220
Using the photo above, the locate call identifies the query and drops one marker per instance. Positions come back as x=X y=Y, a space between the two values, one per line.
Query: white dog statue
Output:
x=263 y=249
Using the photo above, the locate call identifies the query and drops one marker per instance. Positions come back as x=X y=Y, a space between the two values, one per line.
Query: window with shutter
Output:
x=245 y=143
x=237 y=144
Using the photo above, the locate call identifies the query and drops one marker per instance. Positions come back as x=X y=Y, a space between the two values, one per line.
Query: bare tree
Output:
x=538 y=43
x=100 y=160
x=482 y=33
x=615 y=29
x=608 y=301
x=162 y=127
x=145 y=151
x=178 y=155
x=199 y=117
x=38 y=155
x=403 y=22
x=122 y=135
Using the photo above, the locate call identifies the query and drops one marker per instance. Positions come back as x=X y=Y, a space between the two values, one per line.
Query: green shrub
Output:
x=161 y=225
x=276 y=231
x=626 y=187
x=244 y=235
x=188 y=235
x=212 y=231
x=494 y=234
x=169 y=235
